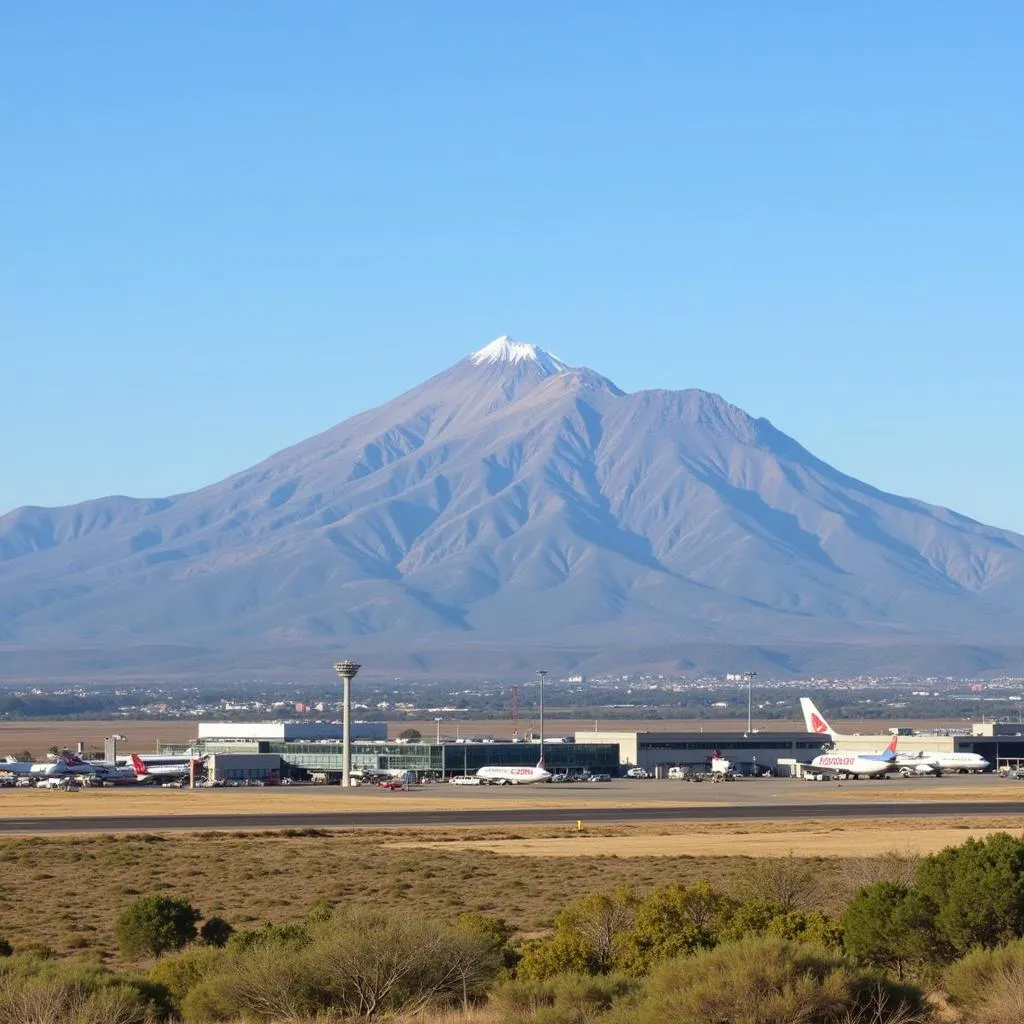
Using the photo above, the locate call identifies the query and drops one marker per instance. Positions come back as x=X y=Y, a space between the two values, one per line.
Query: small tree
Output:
x=410 y=735
x=215 y=931
x=152 y=925
x=977 y=890
x=672 y=920
x=890 y=926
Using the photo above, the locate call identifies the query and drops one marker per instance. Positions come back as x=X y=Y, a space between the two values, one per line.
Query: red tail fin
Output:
x=892 y=743
x=139 y=765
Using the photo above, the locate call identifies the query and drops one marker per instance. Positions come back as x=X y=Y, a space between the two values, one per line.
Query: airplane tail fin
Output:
x=890 y=751
x=540 y=764
x=814 y=720
x=139 y=765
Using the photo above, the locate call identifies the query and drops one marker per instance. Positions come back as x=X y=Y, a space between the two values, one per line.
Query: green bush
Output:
x=563 y=999
x=977 y=891
x=152 y=925
x=768 y=981
x=890 y=926
x=564 y=952
x=257 y=984
x=763 y=917
x=585 y=938
x=360 y=964
x=36 y=990
x=181 y=973
x=287 y=936
x=216 y=931
x=671 y=921
x=494 y=932
x=5 y=948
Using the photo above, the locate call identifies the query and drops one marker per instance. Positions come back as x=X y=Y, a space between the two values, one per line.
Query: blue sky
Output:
x=228 y=226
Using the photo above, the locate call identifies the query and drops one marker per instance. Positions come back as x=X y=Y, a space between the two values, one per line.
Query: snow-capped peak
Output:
x=505 y=350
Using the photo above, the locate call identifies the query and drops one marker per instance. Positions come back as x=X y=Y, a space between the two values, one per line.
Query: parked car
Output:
x=465 y=780
x=638 y=773
x=600 y=777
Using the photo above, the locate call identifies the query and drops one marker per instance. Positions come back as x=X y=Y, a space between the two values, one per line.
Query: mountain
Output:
x=514 y=508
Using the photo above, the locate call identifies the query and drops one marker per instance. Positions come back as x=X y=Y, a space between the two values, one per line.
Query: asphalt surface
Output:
x=539 y=815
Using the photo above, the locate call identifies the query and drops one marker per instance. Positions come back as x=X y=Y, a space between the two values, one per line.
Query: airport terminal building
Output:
x=751 y=752
x=300 y=750
x=262 y=750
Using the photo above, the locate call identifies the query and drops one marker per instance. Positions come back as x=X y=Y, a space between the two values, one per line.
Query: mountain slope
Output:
x=512 y=501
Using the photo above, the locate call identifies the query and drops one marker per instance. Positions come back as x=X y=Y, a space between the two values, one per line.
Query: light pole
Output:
x=541 y=674
x=347 y=670
x=750 y=677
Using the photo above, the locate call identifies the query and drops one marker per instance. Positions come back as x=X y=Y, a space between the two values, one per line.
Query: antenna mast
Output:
x=515 y=712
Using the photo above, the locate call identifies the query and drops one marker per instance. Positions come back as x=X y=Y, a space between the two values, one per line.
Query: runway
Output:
x=539 y=815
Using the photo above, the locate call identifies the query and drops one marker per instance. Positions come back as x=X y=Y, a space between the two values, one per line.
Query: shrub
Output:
x=257 y=984
x=288 y=936
x=152 y=925
x=890 y=926
x=180 y=974
x=5 y=948
x=767 y=981
x=563 y=952
x=362 y=964
x=785 y=882
x=373 y=963
x=670 y=921
x=760 y=917
x=977 y=890
x=38 y=991
x=565 y=998
x=988 y=984
x=215 y=931
x=494 y=932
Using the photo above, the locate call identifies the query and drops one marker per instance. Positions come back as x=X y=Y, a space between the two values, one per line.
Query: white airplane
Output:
x=856 y=765
x=177 y=769
x=66 y=764
x=500 y=775
x=924 y=762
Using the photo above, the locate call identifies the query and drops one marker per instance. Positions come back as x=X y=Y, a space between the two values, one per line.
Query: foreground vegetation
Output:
x=914 y=942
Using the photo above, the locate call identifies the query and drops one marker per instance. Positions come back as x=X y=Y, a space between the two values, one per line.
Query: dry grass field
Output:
x=39 y=736
x=833 y=839
x=65 y=892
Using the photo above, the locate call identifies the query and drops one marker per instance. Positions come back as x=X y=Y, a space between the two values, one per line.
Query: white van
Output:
x=678 y=773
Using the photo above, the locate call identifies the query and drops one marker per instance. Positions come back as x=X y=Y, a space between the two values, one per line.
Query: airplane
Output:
x=499 y=775
x=924 y=762
x=66 y=764
x=855 y=765
x=178 y=769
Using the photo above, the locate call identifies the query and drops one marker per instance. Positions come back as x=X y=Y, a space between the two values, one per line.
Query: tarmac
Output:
x=620 y=802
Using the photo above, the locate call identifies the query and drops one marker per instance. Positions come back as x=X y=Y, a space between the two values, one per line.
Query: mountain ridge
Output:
x=512 y=499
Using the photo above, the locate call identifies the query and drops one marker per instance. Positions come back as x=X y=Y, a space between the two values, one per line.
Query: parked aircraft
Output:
x=66 y=764
x=500 y=775
x=856 y=765
x=924 y=762
x=166 y=770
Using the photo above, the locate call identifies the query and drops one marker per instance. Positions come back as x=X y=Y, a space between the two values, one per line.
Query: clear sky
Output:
x=227 y=226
